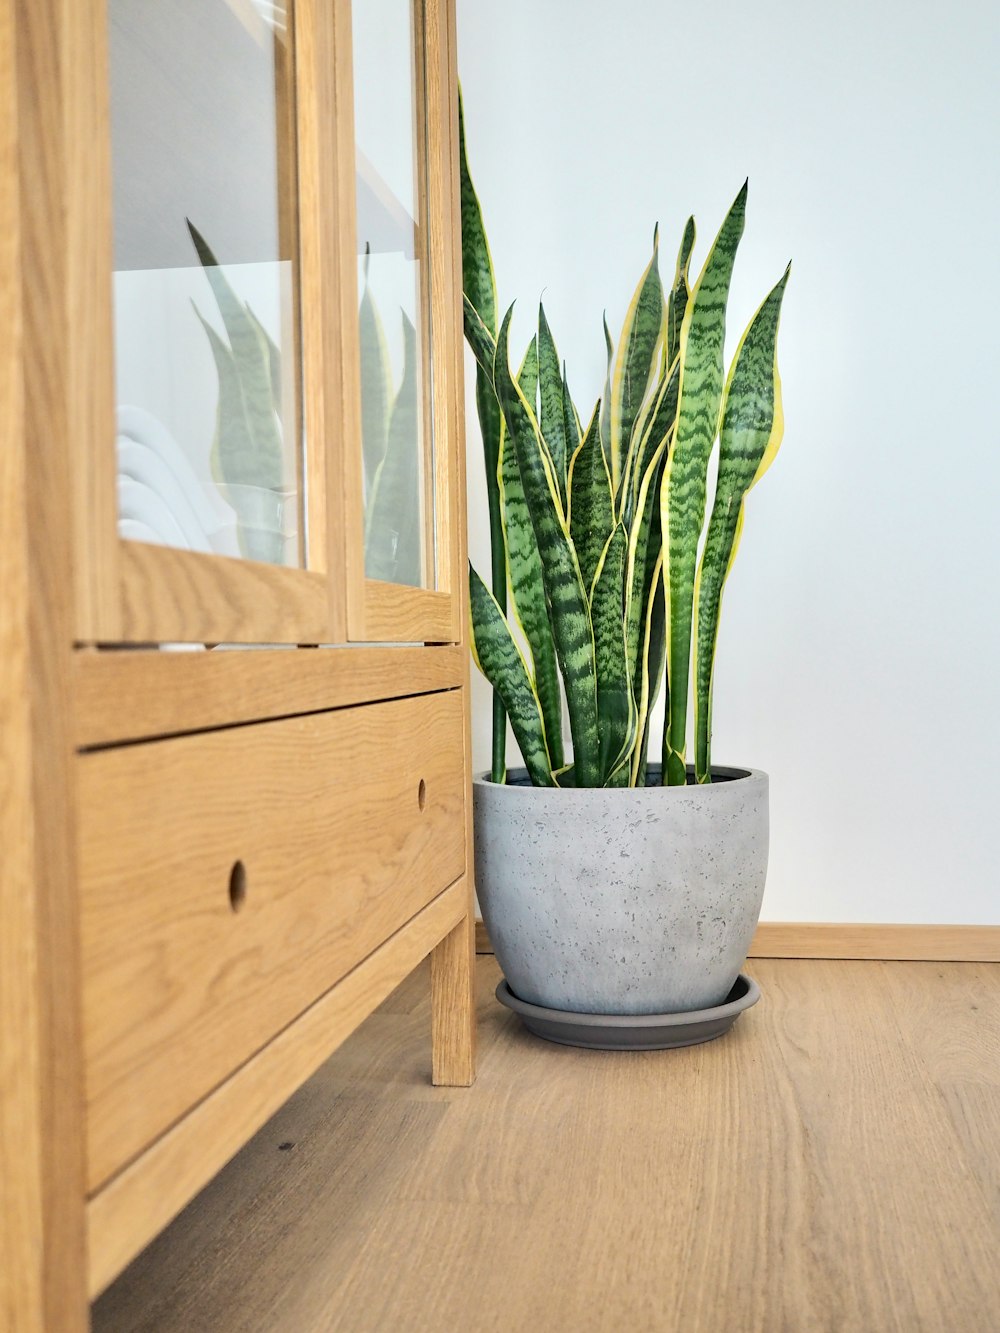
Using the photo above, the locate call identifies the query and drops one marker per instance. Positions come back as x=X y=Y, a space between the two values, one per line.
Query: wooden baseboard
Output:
x=821 y=939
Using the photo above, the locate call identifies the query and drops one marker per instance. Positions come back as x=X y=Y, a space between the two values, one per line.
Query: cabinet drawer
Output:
x=228 y=879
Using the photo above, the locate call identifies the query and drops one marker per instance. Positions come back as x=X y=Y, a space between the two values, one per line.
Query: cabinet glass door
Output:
x=397 y=435
x=208 y=360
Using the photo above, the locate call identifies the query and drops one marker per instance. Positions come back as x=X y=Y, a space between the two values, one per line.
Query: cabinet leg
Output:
x=453 y=1007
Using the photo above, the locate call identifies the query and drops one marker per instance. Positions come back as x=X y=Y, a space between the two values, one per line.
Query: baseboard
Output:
x=822 y=939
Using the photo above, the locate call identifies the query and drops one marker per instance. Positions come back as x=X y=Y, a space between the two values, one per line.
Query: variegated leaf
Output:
x=684 y=477
x=527 y=588
x=552 y=418
x=752 y=427
x=499 y=659
x=615 y=707
x=679 y=294
x=636 y=361
x=564 y=590
x=591 y=507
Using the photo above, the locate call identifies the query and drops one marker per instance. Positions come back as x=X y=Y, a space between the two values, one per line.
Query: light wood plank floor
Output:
x=832 y=1164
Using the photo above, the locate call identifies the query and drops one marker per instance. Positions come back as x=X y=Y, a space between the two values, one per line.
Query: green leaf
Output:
x=478 y=279
x=564 y=590
x=605 y=419
x=643 y=553
x=376 y=384
x=679 y=295
x=571 y=424
x=499 y=659
x=527 y=376
x=684 y=478
x=552 y=418
x=636 y=362
x=615 y=708
x=392 y=538
x=591 y=508
x=651 y=673
x=483 y=345
x=524 y=567
x=752 y=426
x=480 y=288
x=480 y=339
x=653 y=426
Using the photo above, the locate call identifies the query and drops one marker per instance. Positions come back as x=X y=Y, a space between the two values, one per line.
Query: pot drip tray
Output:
x=633 y=1032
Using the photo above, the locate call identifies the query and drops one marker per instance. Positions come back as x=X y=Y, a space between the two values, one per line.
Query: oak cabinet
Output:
x=234 y=665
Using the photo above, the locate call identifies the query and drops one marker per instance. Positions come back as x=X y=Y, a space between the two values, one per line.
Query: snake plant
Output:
x=596 y=530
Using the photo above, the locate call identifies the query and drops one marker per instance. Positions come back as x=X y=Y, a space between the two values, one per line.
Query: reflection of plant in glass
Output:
x=247 y=456
x=389 y=445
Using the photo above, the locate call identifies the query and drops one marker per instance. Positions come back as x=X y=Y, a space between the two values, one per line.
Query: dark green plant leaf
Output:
x=591 y=508
x=752 y=426
x=564 y=591
x=684 y=479
x=499 y=659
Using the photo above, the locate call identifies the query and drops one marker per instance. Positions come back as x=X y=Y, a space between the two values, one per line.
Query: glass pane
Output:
x=205 y=286
x=392 y=281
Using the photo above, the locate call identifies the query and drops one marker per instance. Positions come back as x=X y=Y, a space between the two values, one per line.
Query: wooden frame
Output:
x=81 y=607
x=42 y=1241
x=378 y=611
x=128 y=592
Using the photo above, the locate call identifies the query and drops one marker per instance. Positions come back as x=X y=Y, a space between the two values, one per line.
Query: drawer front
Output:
x=228 y=879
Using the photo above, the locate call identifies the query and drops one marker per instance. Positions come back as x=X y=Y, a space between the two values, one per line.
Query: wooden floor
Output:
x=832 y=1164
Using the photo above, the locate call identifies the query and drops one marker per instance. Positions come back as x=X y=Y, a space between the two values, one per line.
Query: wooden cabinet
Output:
x=233 y=670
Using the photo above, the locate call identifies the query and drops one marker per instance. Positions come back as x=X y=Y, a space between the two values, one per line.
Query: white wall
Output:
x=859 y=659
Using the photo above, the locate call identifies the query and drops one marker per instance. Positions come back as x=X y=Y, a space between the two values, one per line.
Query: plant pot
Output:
x=622 y=901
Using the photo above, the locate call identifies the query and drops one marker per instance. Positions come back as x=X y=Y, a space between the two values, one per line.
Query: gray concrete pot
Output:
x=625 y=901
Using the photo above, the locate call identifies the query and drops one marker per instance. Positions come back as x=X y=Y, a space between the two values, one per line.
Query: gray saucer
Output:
x=634 y=1032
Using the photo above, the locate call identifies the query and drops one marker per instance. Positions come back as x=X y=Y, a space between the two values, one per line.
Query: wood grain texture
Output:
x=42 y=1258
x=346 y=824
x=323 y=383
x=405 y=615
x=90 y=351
x=453 y=1017
x=128 y=1212
x=137 y=695
x=790 y=939
x=799 y=1174
x=814 y=939
x=172 y=596
x=453 y=1014
x=345 y=167
x=430 y=436
x=443 y=247
x=22 y=1216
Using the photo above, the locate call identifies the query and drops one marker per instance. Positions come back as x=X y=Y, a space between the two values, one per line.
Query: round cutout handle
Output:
x=237 y=886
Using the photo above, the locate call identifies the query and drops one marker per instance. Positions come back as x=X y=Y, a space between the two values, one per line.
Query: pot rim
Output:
x=730 y=773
